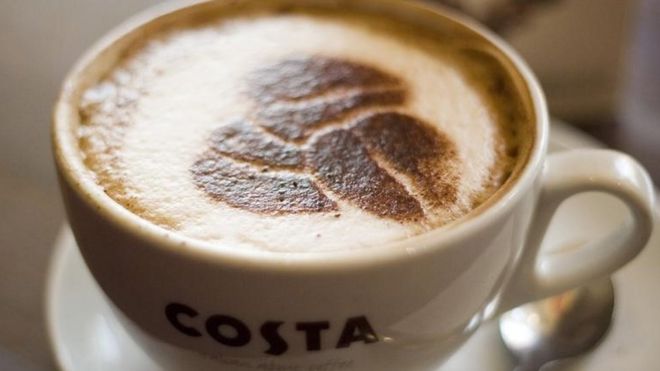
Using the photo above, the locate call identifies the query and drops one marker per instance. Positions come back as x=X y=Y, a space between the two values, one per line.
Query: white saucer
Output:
x=85 y=335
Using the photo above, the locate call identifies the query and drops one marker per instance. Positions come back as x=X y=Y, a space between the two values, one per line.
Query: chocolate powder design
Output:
x=342 y=163
x=242 y=186
x=315 y=132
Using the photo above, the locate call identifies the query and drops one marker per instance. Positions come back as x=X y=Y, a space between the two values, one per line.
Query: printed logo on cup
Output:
x=186 y=321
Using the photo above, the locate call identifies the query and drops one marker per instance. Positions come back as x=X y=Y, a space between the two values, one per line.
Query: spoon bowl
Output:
x=562 y=326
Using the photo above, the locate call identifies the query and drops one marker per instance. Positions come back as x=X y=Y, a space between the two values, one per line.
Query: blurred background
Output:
x=597 y=61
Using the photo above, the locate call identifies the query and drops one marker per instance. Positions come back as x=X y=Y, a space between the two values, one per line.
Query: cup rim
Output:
x=72 y=171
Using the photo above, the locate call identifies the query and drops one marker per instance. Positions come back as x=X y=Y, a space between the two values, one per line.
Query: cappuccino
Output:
x=303 y=129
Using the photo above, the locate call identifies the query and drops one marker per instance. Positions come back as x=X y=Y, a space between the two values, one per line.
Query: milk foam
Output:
x=145 y=124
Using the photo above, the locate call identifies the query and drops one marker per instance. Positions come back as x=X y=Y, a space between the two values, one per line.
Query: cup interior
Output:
x=104 y=54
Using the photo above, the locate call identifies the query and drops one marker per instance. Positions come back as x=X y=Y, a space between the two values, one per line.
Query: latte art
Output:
x=295 y=101
x=299 y=96
x=302 y=130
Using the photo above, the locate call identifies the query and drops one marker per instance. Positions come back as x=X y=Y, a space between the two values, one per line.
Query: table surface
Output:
x=30 y=208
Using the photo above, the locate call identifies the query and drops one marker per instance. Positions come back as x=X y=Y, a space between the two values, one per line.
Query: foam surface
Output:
x=146 y=124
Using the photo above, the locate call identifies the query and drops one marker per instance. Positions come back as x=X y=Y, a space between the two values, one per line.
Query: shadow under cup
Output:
x=404 y=306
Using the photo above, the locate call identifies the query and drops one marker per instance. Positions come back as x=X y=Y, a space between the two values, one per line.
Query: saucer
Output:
x=85 y=335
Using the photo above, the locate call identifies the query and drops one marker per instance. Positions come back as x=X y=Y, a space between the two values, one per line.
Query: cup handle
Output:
x=566 y=174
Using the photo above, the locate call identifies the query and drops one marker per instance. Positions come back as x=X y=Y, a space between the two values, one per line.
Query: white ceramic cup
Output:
x=402 y=306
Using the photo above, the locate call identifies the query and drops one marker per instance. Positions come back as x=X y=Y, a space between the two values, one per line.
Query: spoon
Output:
x=559 y=327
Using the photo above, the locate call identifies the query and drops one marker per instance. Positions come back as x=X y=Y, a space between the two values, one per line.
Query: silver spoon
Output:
x=559 y=327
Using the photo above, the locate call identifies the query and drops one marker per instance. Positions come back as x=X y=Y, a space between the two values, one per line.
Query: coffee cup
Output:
x=405 y=305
